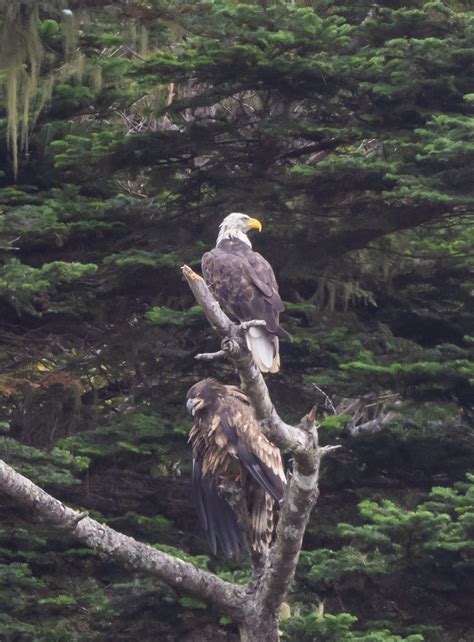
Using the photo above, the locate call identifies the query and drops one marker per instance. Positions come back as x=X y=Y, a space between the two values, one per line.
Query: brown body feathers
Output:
x=237 y=473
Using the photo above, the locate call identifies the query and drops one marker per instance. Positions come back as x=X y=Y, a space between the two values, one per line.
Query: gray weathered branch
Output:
x=300 y=498
x=182 y=576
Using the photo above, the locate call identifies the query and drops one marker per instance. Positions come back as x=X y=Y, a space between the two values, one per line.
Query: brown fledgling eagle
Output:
x=244 y=284
x=237 y=473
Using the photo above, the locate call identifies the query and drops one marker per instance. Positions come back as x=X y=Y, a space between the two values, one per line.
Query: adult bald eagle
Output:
x=244 y=284
x=237 y=473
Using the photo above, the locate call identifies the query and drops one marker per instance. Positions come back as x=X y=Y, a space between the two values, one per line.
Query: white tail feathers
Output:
x=264 y=348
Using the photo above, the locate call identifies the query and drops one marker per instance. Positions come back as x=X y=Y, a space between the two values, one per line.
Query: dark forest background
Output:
x=128 y=130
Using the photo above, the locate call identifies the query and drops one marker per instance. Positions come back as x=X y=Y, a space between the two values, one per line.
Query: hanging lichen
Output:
x=144 y=43
x=96 y=79
x=331 y=288
x=132 y=35
x=43 y=96
x=69 y=31
x=21 y=56
x=31 y=62
x=79 y=66
x=21 y=53
x=12 y=114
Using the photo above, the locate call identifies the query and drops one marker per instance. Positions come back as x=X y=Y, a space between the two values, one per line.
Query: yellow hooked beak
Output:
x=254 y=224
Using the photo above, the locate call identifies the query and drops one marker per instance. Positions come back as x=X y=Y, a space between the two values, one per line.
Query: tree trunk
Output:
x=256 y=628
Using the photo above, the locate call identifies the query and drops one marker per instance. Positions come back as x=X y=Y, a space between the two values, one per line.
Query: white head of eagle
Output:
x=237 y=226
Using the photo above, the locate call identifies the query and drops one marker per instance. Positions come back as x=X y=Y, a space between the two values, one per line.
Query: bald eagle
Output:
x=237 y=473
x=244 y=284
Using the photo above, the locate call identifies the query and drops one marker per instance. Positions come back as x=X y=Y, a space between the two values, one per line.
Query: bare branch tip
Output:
x=189 y=273
x=325 y=450
x=210 y=356
x=308 y=421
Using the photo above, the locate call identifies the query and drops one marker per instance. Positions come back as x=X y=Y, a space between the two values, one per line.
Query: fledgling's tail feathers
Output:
x=264 y=348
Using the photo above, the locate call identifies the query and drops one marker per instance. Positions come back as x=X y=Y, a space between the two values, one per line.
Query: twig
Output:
x=327 y=397
x=10 y=247
x=325 y=450
x=210 y=356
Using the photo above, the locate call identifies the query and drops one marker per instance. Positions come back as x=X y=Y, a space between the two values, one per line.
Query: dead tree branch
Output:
x=182 y=576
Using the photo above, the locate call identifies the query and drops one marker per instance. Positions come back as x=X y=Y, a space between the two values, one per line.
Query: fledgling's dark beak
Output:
x=190 y=405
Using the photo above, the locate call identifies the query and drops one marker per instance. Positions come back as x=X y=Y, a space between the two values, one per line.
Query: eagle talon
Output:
x=253 y=323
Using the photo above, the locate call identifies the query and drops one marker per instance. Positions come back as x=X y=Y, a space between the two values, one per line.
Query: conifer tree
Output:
x=127 y=131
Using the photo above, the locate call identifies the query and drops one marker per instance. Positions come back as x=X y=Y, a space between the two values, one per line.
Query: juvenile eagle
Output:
x=237 y=473
x=244 y=284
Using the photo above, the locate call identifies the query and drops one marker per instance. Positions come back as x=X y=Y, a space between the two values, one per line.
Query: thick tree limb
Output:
x=178 y=574
x=300 y=498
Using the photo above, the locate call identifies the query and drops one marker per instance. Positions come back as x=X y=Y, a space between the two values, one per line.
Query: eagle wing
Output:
x=212 y=469
x=261 y=517
x=256 y=454
x=218 y=519
x=262 y=275
x=262 y=476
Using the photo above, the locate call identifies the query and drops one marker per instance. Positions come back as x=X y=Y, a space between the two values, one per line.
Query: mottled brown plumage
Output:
x=237 y=473
x=244 y=284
